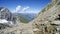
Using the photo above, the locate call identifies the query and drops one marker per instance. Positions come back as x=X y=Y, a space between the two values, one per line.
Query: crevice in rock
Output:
x=58 y=18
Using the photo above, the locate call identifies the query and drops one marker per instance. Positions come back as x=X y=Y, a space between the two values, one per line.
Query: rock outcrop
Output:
x=6 y=17
x=5 y=14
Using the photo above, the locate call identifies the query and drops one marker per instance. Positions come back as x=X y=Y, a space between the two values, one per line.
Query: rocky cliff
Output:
x=47 y=22
x=6 y=18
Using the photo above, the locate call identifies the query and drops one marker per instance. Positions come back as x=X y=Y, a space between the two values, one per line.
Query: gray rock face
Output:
x=5 y=14
x=6 y=17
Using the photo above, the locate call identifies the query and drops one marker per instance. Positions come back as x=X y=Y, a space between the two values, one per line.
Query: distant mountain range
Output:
x=25 y=17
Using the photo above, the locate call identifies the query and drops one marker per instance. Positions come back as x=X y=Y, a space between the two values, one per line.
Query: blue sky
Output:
x=24 y=6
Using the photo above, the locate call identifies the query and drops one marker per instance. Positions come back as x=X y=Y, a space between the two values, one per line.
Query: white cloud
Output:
x=3 y=21
x=25 y=8
x=18 y=8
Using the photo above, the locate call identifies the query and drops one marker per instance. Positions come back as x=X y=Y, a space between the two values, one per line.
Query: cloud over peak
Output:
x=18 y=8
x=25 y=8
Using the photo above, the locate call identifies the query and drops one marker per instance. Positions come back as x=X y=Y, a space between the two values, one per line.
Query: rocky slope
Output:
x=47 y=22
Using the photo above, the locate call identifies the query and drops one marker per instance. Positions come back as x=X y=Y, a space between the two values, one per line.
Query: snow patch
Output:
x=3 y=21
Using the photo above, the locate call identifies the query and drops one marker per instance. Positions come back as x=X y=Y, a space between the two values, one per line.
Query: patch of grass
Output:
x=58 y=3
x=43 y=10
x=22 y=19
